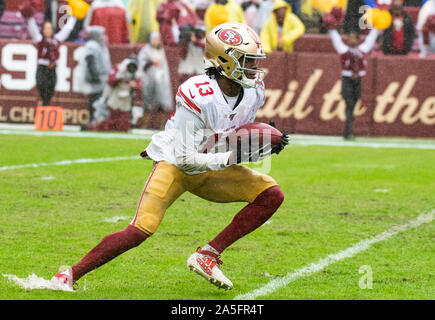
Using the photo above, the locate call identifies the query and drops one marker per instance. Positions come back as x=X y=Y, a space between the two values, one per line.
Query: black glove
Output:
x=285 y=140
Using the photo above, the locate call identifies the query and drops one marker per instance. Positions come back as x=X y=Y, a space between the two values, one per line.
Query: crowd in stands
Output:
x=183 y=24
x=279 y=22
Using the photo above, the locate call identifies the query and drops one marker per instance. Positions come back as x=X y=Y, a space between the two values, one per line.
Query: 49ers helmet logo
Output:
x=230 y=37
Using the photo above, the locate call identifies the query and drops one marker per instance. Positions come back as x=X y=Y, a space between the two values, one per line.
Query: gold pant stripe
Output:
x=141 y=198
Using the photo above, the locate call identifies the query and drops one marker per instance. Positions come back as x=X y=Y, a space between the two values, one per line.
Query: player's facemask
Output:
x=246 y=73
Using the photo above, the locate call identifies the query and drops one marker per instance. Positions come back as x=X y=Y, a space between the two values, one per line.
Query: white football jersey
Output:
x=202 y=113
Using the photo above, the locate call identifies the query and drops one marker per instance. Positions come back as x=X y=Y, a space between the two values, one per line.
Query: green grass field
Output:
x=52 y=215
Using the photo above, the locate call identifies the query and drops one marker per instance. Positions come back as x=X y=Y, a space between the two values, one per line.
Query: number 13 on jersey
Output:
x=204 y=88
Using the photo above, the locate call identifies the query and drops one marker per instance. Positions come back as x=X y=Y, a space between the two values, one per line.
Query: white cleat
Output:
x=206 y=264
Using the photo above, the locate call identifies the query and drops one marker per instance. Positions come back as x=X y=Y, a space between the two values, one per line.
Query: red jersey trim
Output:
x=189 y=103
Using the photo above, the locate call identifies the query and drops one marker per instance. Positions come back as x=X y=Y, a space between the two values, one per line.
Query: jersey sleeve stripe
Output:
x=189 y=103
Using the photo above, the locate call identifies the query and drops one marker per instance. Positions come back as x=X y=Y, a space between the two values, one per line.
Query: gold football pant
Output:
x=166 y=183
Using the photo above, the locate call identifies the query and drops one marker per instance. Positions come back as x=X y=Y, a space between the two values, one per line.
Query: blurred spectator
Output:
x=256 y=13
x=310 y=17
x=48 y=44
x=282 y=29
x=96 y=66
x=414 y=3
x=143 y=19
x=312 y=12
x=222 y=11
x=353 y=16
x=113 y=109
x=55 y=12
x=354 y=63
x=12 y=24
x=200 y=7
x=263 y=15
x=190 y=3
x=154 y=69
x=2 y=7
x=426 y=28
x=111 y=15
x=192 y=54
x=250 y=10
x=172 y=15
x=307 y=7
x=399 y=37
x=326 y=6
x=296 y=6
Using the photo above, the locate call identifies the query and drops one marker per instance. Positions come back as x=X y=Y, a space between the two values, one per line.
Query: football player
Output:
x=226 y=97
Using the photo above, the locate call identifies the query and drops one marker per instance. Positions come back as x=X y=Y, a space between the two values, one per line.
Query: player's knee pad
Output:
x=161 y=191
x=150 y=213
x=160 y=184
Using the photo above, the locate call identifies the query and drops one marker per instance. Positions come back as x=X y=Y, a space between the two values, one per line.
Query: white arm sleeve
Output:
x=370 y=41
x=176 y=32
x=66 y=30
x=422 y=46
x=187 y=140
x=34 y=30
x=337 y=42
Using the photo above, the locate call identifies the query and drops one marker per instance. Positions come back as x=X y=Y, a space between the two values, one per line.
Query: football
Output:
x=253 y=141
x=256 y=131
x=251 y=136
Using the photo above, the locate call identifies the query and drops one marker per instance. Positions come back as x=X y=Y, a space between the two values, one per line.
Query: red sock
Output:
x=110 y=247
x=249 y=218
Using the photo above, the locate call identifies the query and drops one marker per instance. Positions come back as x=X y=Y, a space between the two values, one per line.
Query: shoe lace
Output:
x=211 y=254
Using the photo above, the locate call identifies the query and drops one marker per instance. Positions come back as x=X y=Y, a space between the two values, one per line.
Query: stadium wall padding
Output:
x=302 y=91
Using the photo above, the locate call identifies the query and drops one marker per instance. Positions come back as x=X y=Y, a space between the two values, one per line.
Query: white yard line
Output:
x=308 y=270
x=33 y=282
x=146 y=134
x=115 y=219
x=375 y=145
x=31 y=126
x=67 y=162
x=297 y=140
